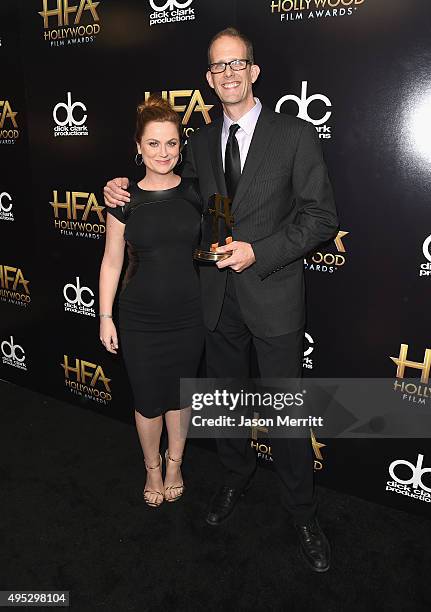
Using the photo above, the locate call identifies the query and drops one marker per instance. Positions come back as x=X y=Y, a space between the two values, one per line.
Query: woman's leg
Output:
x=177 y=422
x=149 y=432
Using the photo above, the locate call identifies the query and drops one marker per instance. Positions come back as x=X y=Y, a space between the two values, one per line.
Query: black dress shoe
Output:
x=314 y=546
x=222 y=504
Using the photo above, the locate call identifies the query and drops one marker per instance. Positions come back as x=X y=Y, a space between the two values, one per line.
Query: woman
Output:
x=160 y=320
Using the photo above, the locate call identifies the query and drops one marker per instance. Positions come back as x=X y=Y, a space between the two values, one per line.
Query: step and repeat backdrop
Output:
x=73 y=72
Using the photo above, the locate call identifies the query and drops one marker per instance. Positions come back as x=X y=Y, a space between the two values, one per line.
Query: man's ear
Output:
x=255 y=71
x=210 y=79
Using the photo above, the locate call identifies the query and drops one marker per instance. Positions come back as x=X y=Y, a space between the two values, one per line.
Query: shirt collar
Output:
x=247 y=121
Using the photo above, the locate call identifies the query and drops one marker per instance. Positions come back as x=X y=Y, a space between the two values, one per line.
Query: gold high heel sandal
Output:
x=179 y=488
x=153 y=504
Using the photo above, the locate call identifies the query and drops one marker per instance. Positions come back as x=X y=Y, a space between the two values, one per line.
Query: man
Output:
x=271 y=166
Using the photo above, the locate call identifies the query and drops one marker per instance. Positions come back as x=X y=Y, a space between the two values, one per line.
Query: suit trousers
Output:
x=228 y=350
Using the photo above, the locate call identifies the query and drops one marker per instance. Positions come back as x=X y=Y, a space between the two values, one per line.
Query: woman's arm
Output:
x=110 y=271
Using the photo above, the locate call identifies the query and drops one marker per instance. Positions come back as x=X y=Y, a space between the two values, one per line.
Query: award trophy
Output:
x=216 y=228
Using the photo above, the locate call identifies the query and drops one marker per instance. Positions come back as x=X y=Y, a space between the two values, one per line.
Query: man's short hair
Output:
x=235 y=34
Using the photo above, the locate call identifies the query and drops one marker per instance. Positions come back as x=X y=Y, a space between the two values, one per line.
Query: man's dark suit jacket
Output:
x=283 y=206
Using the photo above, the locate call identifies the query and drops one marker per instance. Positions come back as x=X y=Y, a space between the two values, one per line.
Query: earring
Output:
x=138 y=159
x=180 y=161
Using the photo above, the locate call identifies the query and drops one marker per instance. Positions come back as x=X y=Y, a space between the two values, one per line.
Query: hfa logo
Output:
x=328 y=262
x=318 y=457
x=86 y=379
x=425 y=269
x=79 y=300
x=413 y=486
x=9 y=131
x=413 y=392
x=14 y=286
x=307 y=10
x=195 y=104
x=13 y=354
x=169 y=11
x=303 y=104
x=70 y=118
x=62 y=21
x=6 y=213
x=83 y=214
x=264 y=451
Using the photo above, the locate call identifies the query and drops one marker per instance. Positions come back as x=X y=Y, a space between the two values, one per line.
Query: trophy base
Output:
x=210 y=255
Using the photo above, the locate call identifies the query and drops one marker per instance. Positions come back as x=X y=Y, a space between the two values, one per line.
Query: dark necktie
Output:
x=232 y=162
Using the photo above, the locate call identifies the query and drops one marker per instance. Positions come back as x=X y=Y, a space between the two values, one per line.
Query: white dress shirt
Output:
x=247 y=123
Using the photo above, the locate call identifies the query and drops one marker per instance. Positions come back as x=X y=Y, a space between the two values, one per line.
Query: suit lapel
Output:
x=263 y=133
x=214 y=144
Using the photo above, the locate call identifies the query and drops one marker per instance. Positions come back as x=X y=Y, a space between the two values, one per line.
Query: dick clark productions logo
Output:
x=168 y=11
x=425 y=268
x=413 y=486
x=307 y=361
x=6 y=213
x=70 y=118
x=13 y=354
x=303 y=104
x=79 y=300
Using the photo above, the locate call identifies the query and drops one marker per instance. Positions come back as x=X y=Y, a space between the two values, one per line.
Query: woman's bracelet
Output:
x=105 y=316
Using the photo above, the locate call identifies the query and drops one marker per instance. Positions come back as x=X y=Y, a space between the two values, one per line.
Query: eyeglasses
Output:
x=236 y=64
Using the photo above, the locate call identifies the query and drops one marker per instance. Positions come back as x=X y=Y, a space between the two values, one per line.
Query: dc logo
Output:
x=170 y=5
x=77 y=292
x=303 y=103
x=12 y=350
x=4 y=207
x=310 y=348
x=69 y=108
x=425 y=248
x=417 y=471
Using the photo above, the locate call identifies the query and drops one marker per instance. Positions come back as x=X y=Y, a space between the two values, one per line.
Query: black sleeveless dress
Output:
x=160 y=318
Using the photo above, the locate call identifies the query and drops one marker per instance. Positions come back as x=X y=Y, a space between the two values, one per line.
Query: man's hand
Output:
x=242 y=256
x=115 y=193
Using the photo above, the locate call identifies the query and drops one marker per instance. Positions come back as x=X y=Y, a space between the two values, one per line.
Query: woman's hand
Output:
x=108 y=335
